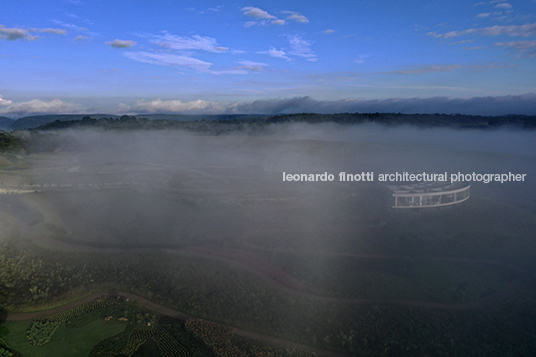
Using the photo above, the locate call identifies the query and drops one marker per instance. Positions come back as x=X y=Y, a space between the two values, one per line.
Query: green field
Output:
x=68 y=342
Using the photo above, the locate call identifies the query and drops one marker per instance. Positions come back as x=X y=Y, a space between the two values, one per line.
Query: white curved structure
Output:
x=429 y=195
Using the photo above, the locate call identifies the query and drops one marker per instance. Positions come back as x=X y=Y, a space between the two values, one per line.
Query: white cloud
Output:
x=30 y=37
x=504 y=5
x=176 y=106
x=252 y=66
x=263 y=17
x=461 y=42
x=447 y=68
x=301 y=48
x=328 y=31
x=426 y=69
x=168 y=59
x=257 y=13
x=484 y=14
x=273 y=52
x=361 y=58
x=251 y=63
x=526 y=48
x=121 y=43
x=186 y=47
x=80 y=38
x=298 y=47
x=4 y=102
x=70 y=26
x=37 y=106
x=196 y=42
x=54 y=31
x=513 y=30
x=12 y=34
x=518 y=44
x=296 y=16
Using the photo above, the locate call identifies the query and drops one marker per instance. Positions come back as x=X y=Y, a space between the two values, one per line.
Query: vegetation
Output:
x=252 y=125
x=4 y=348
x=65 y=341
x=42 y=331
x=5 y=353
x=216 y=336
x=225 y=343
x=168 y=346
x=377 y=324
x=229 y=294
x=421 y=120
x=9 y=142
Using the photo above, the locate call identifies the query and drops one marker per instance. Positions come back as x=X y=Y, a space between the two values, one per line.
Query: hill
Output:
x=5 y=123
x=9 y=142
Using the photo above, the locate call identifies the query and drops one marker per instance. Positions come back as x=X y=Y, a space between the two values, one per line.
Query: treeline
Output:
x=127 y=122
x=420 y=120
x=253 y=124
x=35 y=121
x=9 y=141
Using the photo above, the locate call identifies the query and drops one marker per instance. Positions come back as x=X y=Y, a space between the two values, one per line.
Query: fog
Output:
x=222 y=199
x=169 y=189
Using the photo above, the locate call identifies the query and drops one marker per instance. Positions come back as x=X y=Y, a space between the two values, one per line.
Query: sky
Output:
x=267 y=57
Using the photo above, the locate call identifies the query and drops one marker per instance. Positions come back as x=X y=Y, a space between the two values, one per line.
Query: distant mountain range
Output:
x=38 y=120
x=5 y=123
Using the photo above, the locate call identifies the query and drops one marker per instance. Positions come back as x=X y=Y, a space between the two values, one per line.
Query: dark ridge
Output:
x=420 y=120
x=226 y=123
x=194 y=117
x=35 y=121
x=127 y=122
x=38 y=120
x=5 y=123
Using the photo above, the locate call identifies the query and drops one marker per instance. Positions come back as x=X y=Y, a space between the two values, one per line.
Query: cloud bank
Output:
x=512 y=104
x=37 y=106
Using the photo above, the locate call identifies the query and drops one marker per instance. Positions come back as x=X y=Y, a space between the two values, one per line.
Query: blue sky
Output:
x=160 y=56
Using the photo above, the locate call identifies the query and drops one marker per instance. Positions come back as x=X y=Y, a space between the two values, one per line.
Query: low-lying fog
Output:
x=172 y=188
